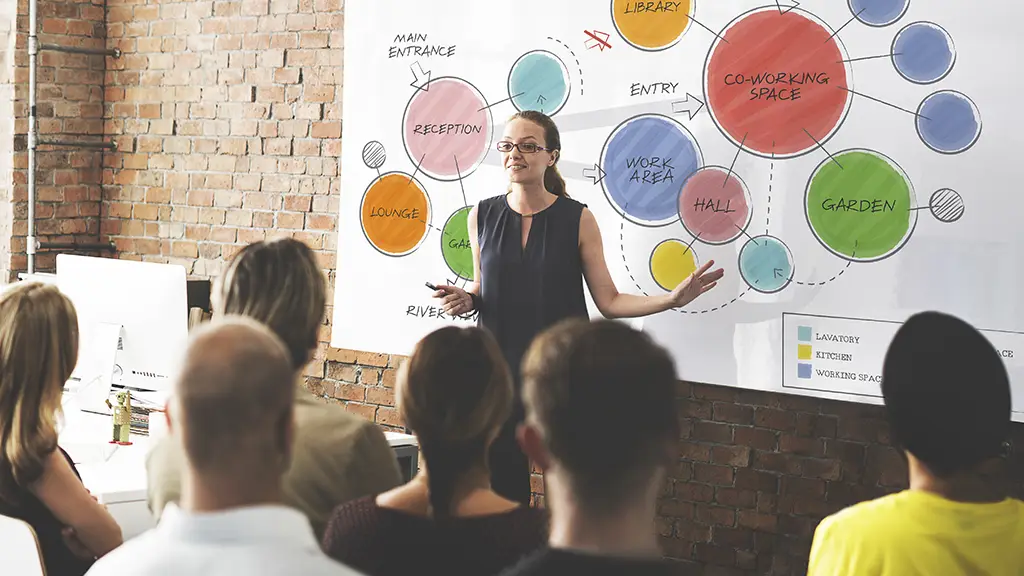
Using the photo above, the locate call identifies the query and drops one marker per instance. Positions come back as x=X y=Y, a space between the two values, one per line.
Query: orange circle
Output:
x=652 y=25
x=395 y=213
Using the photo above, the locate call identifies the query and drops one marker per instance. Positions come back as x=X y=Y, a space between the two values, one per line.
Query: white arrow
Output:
x=596 y=174
x=688 y=105
x=421 y=79
x=779 y=4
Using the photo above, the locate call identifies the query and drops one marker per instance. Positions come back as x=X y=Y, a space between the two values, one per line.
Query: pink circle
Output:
x=714 y=205
x=447 y=128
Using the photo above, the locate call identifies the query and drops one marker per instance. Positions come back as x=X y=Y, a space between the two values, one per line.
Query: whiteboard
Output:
x=848 y=163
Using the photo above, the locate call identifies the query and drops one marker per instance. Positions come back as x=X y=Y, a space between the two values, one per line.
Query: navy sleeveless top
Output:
x=57 y=557
x=524 y=291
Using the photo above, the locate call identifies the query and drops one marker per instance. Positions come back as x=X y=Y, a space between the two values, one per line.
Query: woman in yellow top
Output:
x=947 y=396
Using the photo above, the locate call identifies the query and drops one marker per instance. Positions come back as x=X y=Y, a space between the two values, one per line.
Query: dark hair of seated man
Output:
x=601 y=419
x=947 y=401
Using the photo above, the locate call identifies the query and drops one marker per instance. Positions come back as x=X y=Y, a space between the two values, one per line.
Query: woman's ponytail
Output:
x=554 y=182
x=454 y=391
x=445 y=467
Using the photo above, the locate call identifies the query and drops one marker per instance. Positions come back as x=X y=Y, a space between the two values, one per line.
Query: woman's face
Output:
x=525 y=167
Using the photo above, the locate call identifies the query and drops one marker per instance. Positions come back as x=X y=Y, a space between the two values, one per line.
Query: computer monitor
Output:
x=148 y=300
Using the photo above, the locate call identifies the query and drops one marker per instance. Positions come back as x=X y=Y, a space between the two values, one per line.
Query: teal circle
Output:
x=766 y=264
x=539 y=81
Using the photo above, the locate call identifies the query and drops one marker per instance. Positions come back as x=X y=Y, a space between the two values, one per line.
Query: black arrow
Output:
x=778 y=273
x=421 y=79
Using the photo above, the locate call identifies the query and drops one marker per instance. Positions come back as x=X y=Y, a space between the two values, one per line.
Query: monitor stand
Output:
x=98 y=372
x=87 y=427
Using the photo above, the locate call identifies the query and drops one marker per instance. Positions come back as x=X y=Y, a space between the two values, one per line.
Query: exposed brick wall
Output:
x=228 y=120
x=758 y=471
x=70 y=103
x=8 y=16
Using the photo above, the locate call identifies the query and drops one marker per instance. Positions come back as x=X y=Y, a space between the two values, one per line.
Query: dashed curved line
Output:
x=771 y=182
x=823 y=282
x=579 y=67
x=716 y=308
x=432 y=227
x=622 y=249
x=832 y=279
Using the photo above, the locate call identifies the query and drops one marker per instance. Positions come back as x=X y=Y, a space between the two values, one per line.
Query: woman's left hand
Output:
x=698 y=283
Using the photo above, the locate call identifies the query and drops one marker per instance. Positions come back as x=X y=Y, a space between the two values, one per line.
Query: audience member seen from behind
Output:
x=601 y=421
x=455 y=393
x=947 y=397
x=339 y=456
x=38 y=481
x=232 y=415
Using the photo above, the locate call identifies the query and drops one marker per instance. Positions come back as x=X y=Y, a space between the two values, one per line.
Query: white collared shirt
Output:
x=266 y=540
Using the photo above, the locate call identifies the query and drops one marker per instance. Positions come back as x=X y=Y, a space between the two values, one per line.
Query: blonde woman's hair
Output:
x=38 y=353
x=278 y=283
x=454 y=392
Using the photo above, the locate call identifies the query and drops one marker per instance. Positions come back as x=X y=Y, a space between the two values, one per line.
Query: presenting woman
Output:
x=532 y=248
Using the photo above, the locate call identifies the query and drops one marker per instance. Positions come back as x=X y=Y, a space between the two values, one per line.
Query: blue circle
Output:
x=538 y=81
x=948 y=122
x=645 y=161
x=923 y=52
x=879 y=12
x=766 y=264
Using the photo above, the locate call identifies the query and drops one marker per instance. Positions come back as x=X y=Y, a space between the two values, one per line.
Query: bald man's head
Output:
x=232 y=404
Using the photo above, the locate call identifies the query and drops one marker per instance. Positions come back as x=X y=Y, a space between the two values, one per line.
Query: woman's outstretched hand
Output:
x=698 y=283
x=454 y=300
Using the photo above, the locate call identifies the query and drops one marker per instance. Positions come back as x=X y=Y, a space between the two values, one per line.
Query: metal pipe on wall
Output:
x=85 y=246
x=32 y=242
x=115 y=52
x=73 y=144
x=33 y=51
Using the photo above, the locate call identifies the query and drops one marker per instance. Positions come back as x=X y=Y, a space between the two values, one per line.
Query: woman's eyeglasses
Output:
x=524 y=147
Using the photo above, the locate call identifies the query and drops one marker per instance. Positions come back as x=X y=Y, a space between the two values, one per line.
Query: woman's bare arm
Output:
x=615 y=304
x=69 y=501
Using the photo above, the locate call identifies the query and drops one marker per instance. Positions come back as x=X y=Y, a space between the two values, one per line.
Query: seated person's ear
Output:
x=532 y=444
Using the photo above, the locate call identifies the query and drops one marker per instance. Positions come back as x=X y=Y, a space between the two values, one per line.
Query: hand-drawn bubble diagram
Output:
x=447 y=133
x=779 y=84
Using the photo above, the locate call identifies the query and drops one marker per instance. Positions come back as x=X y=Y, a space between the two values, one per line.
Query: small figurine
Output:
x=122 y=418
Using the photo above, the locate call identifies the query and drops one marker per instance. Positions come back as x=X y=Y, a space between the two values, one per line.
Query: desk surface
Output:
x=118 y=473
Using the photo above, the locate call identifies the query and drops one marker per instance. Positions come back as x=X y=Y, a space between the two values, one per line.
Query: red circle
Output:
x=777 y=82
x=714 y=205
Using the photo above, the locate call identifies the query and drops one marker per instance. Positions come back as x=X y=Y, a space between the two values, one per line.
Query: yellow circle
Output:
x=652 y=25
x=672 y=261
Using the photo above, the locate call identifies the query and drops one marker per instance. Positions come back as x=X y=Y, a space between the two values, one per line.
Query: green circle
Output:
x=455 y=248
x=861 y=205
